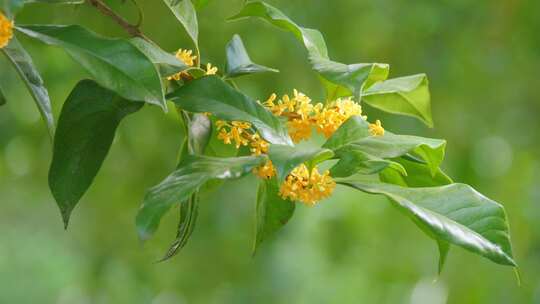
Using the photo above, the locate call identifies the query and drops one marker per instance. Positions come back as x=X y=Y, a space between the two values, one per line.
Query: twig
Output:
x=133 y=30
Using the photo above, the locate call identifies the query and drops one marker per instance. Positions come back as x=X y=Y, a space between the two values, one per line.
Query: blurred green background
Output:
x=482 y=58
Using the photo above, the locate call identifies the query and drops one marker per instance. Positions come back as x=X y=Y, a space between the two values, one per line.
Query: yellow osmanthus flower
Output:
x=210 y=70
x=258 y=145
x=376 y=129
x=307 y=186
x=6 y=30
x=330 y=118
x=265 y=171
x=236 y=131
x=187 y=58
x=299 y=129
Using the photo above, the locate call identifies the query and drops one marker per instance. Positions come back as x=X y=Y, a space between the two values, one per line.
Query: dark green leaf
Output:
x=167 y=64
x=238 y=61
x=355 y=128
x=404 y=95
x=185 y=12
x=86 y=129
x=115 y=64
x=193 y=172
x=212 y=94
x=22 y=62
x=2 y=98
x=273 y=212
x=456 y=214
x=286 y=158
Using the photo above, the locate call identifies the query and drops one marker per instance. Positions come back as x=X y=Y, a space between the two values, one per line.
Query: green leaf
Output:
x=358 y=162
x=354 y=135
x=404 y=95
x=238 y=61
x=56 y=1
x=22 y=62
x=86 y=129
x=212 y=94
x=418 y=175
x=199 y=131
x=185 y=12
x=189 y=211
x=166 y=63
x=346 y=79
x=286 y=158
x=409 y=95
x=273 y=212
x=11 y=7
x=115 y=64
x=193 y=172
x=456 y=214
x=2 y=98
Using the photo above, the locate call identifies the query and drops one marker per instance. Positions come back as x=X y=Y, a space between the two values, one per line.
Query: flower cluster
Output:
x=6 y=30
x=303 y=185
x=307 y=186
x=302 y=115
x=241 y=134
x=187 y=57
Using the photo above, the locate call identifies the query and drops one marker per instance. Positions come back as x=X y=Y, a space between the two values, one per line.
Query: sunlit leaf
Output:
x=115 y=64
x=86 y=129
x=354 y=135
x=238 y=61
x=418 y=175
x=273 y=212
x=404 y=95
x=212 y=94
x=355 y=161
x=185 y=12
x=193 y=172
x=455 y=213
x=22 y=62
x=167 y=64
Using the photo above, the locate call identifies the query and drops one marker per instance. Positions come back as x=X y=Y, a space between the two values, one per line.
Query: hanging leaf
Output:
x=189 y=211
x=86 y=129
x=115 y=64
x=286 y=158
x=404 y=95
x=193 y=172
x=166 y=63
x=185 y=12
x=238 y=61
x=455 y=214
x=212 y=94
x=22 y=62
x=273 y=212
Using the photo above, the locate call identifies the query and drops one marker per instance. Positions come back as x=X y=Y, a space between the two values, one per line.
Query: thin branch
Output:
x=133 y=30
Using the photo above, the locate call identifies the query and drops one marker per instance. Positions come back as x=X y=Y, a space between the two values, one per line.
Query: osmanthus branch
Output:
x=133 y=30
